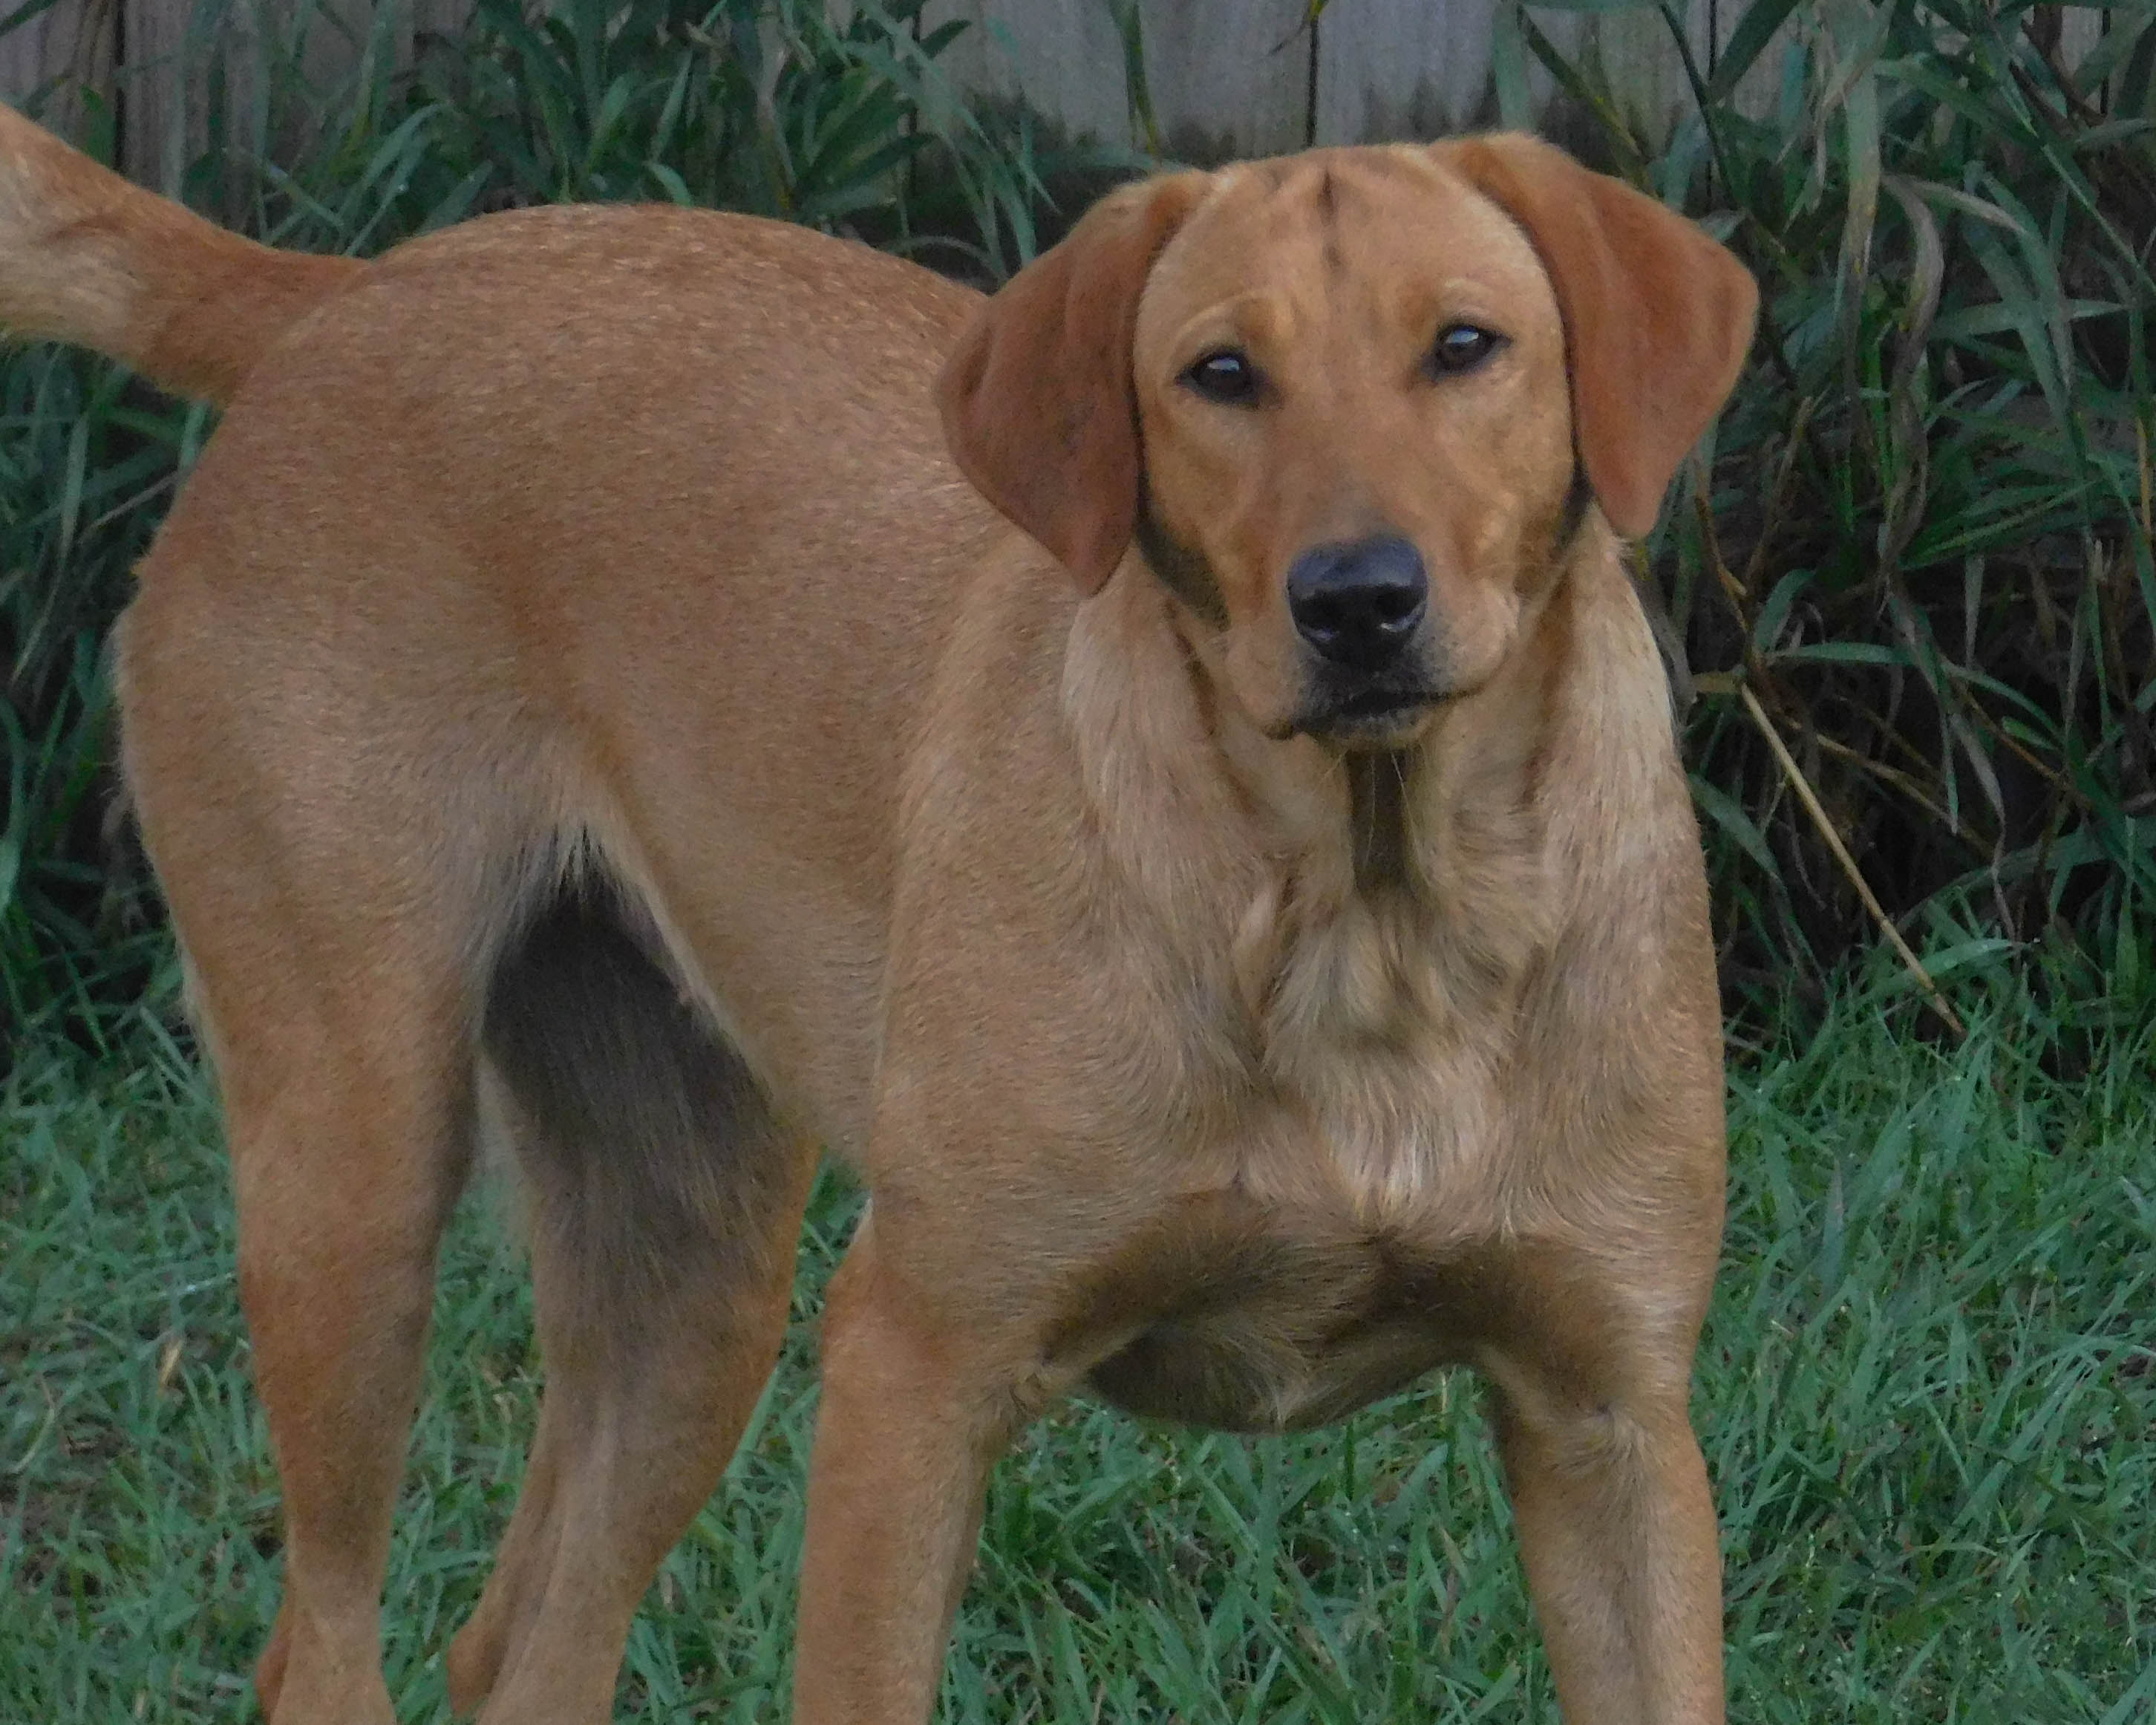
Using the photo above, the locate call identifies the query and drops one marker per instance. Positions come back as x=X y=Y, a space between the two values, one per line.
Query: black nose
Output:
x=1358 y=603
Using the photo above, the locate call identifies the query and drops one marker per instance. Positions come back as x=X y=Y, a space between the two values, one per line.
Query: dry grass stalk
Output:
x=1828 y=831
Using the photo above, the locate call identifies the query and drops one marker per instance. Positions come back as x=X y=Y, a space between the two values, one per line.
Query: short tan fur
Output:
x=1162 y=768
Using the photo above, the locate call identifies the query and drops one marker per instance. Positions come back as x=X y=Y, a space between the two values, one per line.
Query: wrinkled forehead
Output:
x=1387 y=232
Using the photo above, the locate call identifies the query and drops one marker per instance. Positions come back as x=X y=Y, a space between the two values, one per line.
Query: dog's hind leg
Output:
x=344 y=827
x=667 y=1202
x=344 y=1061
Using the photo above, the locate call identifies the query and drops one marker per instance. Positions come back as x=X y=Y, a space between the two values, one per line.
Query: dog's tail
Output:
x=88 y=259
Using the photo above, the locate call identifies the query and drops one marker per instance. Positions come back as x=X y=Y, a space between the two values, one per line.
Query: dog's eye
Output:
x=1226 y=376
x=1461 y=348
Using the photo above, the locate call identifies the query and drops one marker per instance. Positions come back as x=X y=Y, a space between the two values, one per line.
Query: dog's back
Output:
x=509 y=507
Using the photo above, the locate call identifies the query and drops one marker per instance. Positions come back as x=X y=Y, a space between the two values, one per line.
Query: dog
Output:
x=1162 y=769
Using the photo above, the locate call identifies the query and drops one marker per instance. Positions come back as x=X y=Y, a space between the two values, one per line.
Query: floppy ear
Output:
x=1039 y=408
x=1657 y=316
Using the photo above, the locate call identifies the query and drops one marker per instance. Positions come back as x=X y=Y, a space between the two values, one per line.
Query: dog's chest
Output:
x=1345 y=1236
x=1282 y=1320
x=1380 y=1040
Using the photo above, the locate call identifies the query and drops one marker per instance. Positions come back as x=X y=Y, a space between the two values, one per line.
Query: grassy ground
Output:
x=1927 y=1396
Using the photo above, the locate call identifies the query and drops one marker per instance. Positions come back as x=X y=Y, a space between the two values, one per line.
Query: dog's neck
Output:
x=1377 y=819
x=1267 y=854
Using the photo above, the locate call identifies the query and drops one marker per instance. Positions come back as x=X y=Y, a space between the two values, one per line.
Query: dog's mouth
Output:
x=1367 y=718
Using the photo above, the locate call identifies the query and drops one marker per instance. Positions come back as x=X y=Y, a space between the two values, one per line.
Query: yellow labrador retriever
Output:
x=1194 y=822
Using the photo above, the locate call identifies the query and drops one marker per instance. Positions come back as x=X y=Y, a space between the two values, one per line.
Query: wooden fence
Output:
x=1225 y=77
x=1252 y=77
x=147 y=61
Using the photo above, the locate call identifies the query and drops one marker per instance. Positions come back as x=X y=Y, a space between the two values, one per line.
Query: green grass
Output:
x=1926 y=1394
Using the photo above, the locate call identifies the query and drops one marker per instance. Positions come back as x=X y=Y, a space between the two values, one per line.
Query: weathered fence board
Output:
x=170 y=45
x=1236 y=76
x=1225 y=76
x=1229 y=77
x=1064 y=57
x=1403 y=69
x=1415 y=69
x=68 y=48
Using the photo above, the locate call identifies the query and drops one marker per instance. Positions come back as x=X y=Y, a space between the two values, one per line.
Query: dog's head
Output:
x=1349 y=405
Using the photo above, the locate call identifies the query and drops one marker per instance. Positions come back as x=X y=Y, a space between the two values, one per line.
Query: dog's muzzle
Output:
x=1359 y=607
x=1359 y=604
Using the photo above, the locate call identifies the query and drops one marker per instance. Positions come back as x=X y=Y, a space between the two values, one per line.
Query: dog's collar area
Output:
x=1376 y=794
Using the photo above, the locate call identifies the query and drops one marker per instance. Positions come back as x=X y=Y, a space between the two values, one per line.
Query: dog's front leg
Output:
x=1618 y=1533
x=916 y=1409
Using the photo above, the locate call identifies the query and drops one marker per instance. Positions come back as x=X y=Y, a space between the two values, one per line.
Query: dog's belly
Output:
x=1277 y=1331
x=1215 y=1372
